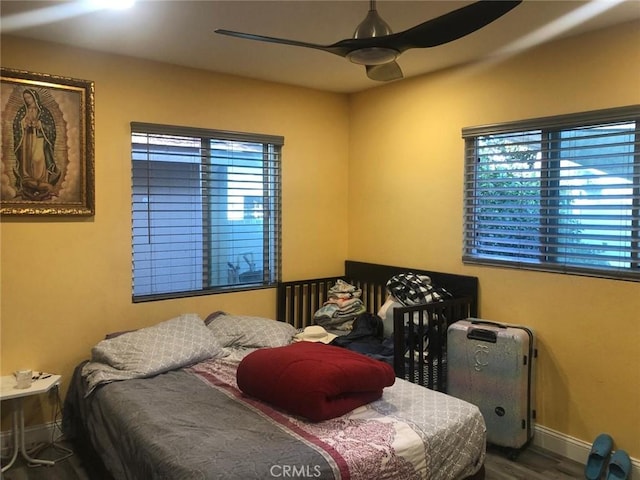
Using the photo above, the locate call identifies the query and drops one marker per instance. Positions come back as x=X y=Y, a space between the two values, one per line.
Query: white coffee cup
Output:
x=24 y=378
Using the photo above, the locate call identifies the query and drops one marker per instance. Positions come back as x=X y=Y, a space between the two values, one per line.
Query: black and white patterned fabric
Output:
x=415 y=289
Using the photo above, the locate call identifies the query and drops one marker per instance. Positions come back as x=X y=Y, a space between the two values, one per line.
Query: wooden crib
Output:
x=420 y=332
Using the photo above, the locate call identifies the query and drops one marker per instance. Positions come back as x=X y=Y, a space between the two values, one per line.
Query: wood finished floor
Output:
x=531 y=464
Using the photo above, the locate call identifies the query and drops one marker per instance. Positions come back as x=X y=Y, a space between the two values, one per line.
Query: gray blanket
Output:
x=202 y=434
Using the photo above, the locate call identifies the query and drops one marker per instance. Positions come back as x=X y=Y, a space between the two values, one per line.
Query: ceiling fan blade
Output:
x=385 y=72
x=450 y=26
x=335 y=48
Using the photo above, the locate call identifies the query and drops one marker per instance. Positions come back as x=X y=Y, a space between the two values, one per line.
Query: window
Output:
x=557 y=194
x=205 y=211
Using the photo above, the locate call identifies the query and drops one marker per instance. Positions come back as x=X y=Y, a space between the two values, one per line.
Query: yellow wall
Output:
x=406 y=152
x=400 y=203
x=66 y=281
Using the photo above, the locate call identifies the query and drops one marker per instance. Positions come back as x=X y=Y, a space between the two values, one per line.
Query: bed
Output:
x=419 y=353
x=165 y=402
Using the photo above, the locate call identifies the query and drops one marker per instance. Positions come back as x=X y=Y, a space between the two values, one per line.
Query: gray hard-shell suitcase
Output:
x=492 y=365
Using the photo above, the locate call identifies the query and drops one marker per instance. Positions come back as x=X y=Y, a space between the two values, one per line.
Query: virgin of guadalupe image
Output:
x=34 y=138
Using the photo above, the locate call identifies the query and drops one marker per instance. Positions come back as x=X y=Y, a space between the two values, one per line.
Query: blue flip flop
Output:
x=598 y=456
x=619 y=466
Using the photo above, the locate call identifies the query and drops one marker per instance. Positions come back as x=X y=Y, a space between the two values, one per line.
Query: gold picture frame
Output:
x=47 y=151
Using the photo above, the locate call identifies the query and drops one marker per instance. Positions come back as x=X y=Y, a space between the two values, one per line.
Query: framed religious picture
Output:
x=47 y=144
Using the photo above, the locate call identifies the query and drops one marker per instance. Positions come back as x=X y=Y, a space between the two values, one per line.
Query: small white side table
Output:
x=8 y=391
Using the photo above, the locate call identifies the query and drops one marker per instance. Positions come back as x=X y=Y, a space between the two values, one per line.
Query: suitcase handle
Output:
x=483 y=335
x=488 y=322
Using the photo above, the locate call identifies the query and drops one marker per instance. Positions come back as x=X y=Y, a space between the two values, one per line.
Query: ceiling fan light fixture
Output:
x=373 y=56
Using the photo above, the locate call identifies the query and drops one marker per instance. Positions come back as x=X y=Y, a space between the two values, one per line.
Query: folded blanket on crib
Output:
x=313 y=380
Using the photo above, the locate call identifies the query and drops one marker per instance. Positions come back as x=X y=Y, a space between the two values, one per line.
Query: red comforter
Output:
x=313 y=380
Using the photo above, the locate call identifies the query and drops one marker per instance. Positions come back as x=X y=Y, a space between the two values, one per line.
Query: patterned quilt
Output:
x=411 y=433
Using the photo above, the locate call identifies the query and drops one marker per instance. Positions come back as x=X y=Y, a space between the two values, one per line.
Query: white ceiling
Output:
x=181 y=32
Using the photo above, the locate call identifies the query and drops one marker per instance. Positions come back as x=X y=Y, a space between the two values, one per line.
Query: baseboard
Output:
x=33 y=436
x=571 y=448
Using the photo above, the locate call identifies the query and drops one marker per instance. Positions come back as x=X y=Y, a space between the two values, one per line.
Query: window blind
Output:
x=205 y=211
x=557 y=194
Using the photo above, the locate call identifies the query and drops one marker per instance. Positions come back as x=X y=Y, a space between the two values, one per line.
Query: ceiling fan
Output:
x=376 y=47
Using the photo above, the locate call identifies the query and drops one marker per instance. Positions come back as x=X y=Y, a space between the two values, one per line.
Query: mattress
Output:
x=194 y=423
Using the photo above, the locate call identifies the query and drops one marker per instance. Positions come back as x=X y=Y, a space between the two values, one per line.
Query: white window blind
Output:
x=205 y=211
x=557 y=194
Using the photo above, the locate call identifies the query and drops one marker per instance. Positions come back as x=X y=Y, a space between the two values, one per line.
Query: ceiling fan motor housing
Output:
x=372 y=26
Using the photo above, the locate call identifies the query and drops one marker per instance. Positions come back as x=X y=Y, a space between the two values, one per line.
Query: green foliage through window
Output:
x=557 y=194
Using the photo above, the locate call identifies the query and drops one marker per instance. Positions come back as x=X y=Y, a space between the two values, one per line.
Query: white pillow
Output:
x=249 y=332
x=386 y=314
